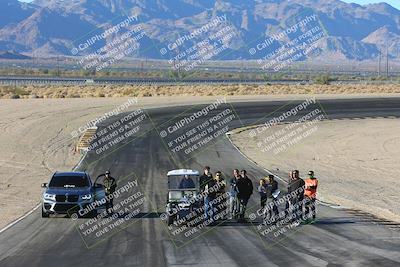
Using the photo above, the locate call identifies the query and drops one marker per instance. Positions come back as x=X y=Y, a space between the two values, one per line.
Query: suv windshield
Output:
x=69 y=181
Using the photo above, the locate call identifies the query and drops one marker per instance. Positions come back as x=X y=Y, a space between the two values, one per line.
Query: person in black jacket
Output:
x=207 y=185
x=245 y=190
x=295 y=191
x=203 y=180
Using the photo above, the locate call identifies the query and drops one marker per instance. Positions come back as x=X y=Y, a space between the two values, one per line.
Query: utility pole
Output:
x=379 y=63
x=387 y=61
x=58 y=66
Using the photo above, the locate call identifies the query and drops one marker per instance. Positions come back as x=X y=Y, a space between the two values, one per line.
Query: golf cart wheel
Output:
x=45 y=214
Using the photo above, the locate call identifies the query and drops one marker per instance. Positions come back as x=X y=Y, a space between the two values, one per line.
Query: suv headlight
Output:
x=49 y=196
x=86 y=197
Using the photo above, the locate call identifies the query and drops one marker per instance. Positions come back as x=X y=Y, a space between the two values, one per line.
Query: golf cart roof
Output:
x=183 y=172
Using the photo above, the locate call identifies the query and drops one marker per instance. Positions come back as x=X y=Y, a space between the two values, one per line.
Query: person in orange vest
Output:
x=310 y=194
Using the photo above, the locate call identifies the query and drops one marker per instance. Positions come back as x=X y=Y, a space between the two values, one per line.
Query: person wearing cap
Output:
x=310 y=194
x=109 y=187
x=295 y=191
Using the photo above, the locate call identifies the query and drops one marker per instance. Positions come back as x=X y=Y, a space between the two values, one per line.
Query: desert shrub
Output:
x=323 y=79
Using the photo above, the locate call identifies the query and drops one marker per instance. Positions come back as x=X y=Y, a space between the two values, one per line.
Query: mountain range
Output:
x=56 y=27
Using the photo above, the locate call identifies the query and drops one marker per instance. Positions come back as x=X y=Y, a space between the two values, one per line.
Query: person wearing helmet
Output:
x=310 y=194
x=109 y=187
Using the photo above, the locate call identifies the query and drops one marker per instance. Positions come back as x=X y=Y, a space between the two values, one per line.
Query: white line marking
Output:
x=252 y=161
x=20 y=219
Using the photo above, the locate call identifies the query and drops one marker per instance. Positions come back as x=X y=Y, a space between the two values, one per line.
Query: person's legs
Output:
x=108 y=203
x=242 y=208
x=297 y=208
x=288 y=207
x=275 y=209
x=313 y=208
x=220 y=206
x=263 y=201
x=306 y=208
x=268 y=209
x=208 y=208
x=236 y=209
x=272 y=210
x=232 y=207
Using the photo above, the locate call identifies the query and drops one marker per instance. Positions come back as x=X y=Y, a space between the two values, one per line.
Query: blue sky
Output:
x=395 y=3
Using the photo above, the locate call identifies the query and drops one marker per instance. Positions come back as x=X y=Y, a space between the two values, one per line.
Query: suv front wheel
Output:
x=44 y=214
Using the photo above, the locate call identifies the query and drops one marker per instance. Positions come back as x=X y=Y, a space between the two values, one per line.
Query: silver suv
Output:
x=71 y=192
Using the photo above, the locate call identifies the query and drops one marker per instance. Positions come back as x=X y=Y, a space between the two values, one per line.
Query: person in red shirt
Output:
x=310 y=194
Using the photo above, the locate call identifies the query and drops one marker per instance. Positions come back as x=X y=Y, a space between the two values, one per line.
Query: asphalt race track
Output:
x=339 y=237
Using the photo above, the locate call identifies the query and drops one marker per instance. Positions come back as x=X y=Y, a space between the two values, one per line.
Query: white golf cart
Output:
x=183 y=194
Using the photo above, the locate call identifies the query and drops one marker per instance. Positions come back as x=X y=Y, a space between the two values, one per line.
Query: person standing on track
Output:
x=262 y=190
x=220 y=197
x=245 y=190
x=207 y=184
x=233 y=201
x=272 y=191
x=203 y=180
x=295 y=191
x=109 y=187
x=310 y=195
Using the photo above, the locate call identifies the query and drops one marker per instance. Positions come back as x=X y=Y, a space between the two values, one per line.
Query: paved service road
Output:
x=339 y=237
